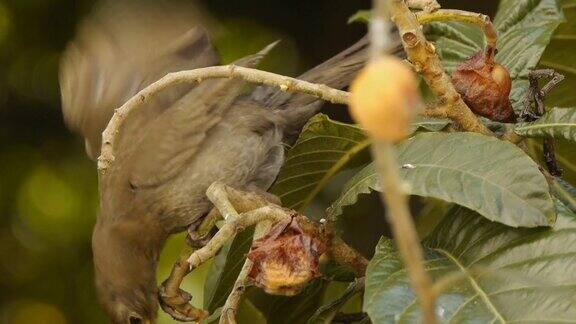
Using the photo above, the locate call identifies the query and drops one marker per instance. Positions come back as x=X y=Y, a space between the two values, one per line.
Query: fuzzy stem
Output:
x=405 y=235
x=423 y=56
x=110 y=134
x=473 y=18
x=393 y=194
x=343 y=254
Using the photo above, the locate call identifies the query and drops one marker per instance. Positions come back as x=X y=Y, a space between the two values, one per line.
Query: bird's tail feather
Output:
x=336 y=72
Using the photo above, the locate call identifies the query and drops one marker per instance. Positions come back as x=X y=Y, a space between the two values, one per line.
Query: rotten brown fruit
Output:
x=285 y=260
x=485 y=86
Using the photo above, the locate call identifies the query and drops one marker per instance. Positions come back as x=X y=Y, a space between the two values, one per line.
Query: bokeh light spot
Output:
x=37 y=313
x=49 y=206
x=4 y=22
x=50 y=195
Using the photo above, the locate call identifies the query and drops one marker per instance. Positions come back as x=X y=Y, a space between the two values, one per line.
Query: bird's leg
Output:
x=228 y=202
x=218 y=195
x=200 y=234
x=175 y=301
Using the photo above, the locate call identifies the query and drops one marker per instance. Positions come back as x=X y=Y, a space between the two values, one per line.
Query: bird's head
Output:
x=125 y=270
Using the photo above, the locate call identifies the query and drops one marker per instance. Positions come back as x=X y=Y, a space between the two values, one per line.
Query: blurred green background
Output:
x=48 y=187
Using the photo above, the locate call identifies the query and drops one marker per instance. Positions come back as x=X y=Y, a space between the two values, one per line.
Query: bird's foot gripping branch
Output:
x=284 y=257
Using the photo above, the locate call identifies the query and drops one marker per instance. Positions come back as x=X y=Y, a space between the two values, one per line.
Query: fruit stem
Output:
x=393 y=193
x=467 y=17
x=393 y=189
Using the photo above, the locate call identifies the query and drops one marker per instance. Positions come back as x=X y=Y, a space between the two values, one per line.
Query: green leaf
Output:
x=559 y=55
x=493 y=177
x=225 y=269
x=557 y=122
x=565 y=192
x=565 y=155
x=430 y=124
x=247 y=313
x=455 y=42
x=504 y=274
x=362 y=16
x=324 y=148
x=295 y=309
x=524 y=30
x=325 y=314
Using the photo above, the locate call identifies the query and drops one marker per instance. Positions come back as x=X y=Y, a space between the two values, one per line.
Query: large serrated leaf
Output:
x=324 y=148
x=326 y=313
x=524 y=30
x=492 y=177
x=557 y=122
x=429 y=124
x=506 y=275
x=565 y=192
x=288 y=310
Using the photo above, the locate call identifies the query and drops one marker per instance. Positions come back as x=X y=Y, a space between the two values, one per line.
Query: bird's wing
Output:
x=120 y=49
x=336 y=72
x=177 y=134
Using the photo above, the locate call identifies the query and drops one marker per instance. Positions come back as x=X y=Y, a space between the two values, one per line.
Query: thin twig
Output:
x=173 y=300
x=230 y=308
x=483 y=21
x=424 y=5
x=532 y=113
x=110 y=134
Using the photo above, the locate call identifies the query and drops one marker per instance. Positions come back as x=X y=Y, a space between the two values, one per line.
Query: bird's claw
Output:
x=178 y=306
x=195 y=240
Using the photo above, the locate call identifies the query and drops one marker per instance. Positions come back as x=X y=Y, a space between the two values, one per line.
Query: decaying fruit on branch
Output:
x=384 y=98
x=285 y=260
x=485 y=86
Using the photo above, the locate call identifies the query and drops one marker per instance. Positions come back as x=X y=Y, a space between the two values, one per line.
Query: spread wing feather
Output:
x=177 y=134
x=120 y=49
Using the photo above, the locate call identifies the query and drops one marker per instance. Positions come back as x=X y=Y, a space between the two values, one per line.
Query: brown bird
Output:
x=171 y=149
